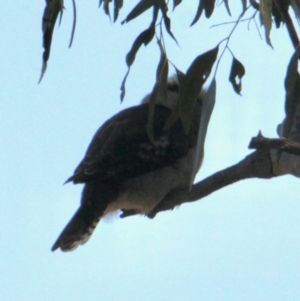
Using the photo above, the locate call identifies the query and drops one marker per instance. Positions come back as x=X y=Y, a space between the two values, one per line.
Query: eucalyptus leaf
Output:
x=227 y=7
x=265 y=9
x=208 y=7
x=195 y=77
x=176 y=3
x=118 y=4
x=190 y=87
x=143 y=38
x=52 y=10
x=159 y=90
x=236 y=73
x=208 y=103
x=140 y=8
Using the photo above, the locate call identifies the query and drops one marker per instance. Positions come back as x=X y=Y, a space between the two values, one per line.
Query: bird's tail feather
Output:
x=94 y=201
x=79 y=229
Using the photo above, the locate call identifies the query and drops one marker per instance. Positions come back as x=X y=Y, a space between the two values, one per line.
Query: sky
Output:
x=239 y=243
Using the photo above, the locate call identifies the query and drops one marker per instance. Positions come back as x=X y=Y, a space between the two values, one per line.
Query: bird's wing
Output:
x=121 y=147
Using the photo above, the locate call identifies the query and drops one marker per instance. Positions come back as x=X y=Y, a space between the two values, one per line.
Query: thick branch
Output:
x=283 y=8
x=256 y=165
x=284 y=144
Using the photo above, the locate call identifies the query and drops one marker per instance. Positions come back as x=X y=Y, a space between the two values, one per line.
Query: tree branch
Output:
x=283 y=144
x=256 y=165
x=283 y=8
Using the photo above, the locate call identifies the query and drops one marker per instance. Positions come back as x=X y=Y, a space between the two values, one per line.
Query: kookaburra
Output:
x=123 y=170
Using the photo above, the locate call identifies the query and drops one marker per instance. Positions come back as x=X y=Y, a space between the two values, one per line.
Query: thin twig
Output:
x=233 y=22
x=227 y=40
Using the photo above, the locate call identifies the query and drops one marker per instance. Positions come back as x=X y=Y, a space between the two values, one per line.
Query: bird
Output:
x=124 y=171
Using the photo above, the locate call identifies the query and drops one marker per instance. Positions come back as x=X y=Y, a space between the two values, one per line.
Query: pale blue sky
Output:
x=240 y=243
